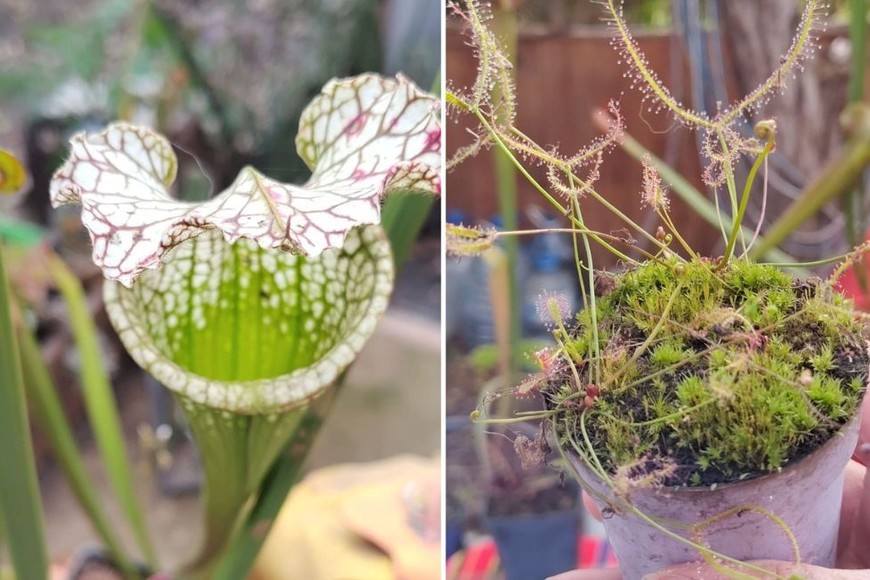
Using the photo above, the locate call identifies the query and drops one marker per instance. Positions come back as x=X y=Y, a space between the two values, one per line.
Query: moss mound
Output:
x=725 y=374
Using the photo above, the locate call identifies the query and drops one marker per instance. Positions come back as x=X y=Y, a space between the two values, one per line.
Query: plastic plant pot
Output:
x=737 y=520
x=534 y=522
x=98 y=563
x=453 y=538
x=536 y=546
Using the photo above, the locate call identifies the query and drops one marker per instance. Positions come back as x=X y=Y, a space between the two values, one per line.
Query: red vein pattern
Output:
x=362 y=137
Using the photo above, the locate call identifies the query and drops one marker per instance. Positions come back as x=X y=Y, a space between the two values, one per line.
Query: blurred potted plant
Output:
x=708 y=405
x=532 y=513
x=524 y=502
x=522 y=499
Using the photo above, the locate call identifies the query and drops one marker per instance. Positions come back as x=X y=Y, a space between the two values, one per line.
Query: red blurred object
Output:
x=481 y=561
x=850 y=286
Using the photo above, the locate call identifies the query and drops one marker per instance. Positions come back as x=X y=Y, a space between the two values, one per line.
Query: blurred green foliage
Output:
x=231 y=78
x=571 y=12
x=655 y=13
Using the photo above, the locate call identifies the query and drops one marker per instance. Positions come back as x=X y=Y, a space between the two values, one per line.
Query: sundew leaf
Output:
x=362 y=137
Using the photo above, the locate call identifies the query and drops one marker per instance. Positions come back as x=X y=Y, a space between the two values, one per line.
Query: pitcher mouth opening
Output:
x=252 y=330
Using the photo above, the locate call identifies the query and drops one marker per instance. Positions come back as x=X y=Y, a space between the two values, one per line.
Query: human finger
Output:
x=703 y=571
x=609 y=574
x=864 y=432
x=853 y=493
x=859 y=535
x=590 y=506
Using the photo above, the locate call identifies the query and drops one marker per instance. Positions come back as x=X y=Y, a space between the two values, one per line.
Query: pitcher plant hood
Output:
x=362 y=137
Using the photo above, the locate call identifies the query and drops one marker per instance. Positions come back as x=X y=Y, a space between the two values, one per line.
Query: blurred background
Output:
x=707 y=52
x=226 y=83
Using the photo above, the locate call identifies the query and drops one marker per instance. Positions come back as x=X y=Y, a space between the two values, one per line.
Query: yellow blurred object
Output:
x=12 y=173
x=366 y=521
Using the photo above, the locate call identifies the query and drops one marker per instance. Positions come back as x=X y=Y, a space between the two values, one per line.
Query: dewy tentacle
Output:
x=362 y=137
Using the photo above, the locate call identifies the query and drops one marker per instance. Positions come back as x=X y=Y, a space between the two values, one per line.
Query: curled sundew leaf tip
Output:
x=362 y=137
x=469 y=240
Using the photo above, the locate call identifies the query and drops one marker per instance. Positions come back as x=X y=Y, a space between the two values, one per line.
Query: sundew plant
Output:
x=250 y=306
x=683 y=369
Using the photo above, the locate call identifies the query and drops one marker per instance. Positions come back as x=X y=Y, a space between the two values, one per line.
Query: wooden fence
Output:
x=561 y=80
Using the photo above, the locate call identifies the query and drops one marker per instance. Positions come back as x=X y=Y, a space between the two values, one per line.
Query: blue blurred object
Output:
x=536 y=546
x=453 y=538
x=551 y=256
x=476 y=307
x=478 y=326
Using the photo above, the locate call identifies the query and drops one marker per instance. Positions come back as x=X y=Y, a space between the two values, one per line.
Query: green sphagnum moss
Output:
x=770 y=367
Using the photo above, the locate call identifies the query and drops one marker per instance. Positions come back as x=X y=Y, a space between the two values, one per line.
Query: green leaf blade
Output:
x=20 y=503
x=101 y=405
x=43 y=399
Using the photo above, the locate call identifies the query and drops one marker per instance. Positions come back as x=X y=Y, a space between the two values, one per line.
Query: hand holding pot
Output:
x=853 y=555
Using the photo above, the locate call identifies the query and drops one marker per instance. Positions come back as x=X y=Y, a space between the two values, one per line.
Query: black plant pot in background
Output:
x=454 y=525
x=536 y=546
x=533 y=513
x=453 y=538
x=93 y=563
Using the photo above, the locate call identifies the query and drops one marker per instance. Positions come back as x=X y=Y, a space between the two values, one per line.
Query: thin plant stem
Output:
x=579 y=262
x=730 y=183
x=761 y=217
x=666 y=218
x=593 y=309
x=720 y=216
x=663 y=319
x=477 y=420
x=576 y=231
x=596 y=461
x=616 y=211
x=744 y=201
